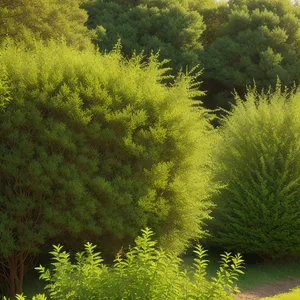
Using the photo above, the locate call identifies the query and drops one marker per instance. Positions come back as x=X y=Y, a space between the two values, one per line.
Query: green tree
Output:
x=258 y=160
x=26 y=20
x=260 y=41
x=95 y=148
x=149 y=25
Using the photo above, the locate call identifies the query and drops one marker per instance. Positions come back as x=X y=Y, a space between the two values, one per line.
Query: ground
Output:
x=269 y=289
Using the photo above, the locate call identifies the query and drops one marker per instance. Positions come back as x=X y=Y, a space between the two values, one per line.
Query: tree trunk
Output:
x=16 y=273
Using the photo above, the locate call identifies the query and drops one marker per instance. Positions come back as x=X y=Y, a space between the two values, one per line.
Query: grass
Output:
x=256 y=274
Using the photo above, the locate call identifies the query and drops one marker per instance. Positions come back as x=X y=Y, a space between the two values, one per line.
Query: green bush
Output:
x=95 y=147
x=144 y=272
x=293 y=295
x=258 y=160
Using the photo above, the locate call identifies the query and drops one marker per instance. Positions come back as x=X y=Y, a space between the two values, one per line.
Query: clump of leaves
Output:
x=144 y=272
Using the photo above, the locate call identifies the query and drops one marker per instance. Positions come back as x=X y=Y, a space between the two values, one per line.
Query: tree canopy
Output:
x=170 y=27
x=26 y=20
x=259 y=42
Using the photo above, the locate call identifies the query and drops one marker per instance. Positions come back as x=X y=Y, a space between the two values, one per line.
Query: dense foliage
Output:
x=170 y=27
x=95 y=146
x=144 y=272
x=259 y=42
x=258 y=159
x=26 y=20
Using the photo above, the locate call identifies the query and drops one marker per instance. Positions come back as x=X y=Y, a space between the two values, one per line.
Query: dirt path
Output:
x=268 y=290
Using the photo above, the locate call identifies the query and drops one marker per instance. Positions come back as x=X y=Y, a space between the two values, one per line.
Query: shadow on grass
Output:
x=257 y=272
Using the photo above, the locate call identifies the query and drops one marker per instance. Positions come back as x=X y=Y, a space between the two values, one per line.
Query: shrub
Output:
x=145 y=272
x=258 y=160
x=95 y=147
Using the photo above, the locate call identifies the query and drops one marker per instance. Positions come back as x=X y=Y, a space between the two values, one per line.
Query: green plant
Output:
x=95 y=147
x=258 y=160
x=170 y=27
x=144 y=272
x=44 y=20
x=259 y=40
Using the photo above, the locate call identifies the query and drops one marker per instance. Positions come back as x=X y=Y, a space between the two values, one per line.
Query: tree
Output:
x=259 y=42
x=25 y=20
x=94 y=147
x=148 y=25
x=258 y=161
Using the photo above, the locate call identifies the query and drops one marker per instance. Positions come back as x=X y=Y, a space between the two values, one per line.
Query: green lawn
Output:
x=256 y=274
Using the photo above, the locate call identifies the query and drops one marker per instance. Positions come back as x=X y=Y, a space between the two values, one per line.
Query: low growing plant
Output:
x=144 y=272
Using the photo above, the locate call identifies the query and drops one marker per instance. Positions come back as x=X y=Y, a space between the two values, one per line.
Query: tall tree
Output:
x=259 y=42
x=170 y=27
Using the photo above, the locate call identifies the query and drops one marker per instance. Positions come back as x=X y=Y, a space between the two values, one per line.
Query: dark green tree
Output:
x=26 y=20
x=170 y=27
x=259 y=42
x=258 y=160
x=95 y=148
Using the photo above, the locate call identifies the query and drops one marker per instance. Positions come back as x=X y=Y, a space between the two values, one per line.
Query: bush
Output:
x=146 y=272
x=258 y=160
x=95 y=147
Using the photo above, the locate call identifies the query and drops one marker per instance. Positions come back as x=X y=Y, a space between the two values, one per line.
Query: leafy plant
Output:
x=144 y=272
x=258 y=160
x=95 y=147
x=44 y=20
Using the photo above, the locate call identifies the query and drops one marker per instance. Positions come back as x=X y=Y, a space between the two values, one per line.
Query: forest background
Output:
x=134 y=125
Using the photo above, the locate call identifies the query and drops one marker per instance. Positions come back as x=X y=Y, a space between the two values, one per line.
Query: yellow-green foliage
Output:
x=99 y=148
x=258 y=159
x=26 y=20
x=144 y=272
x=293 y=295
